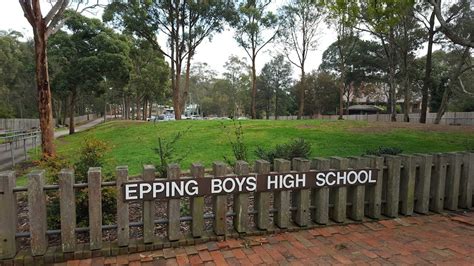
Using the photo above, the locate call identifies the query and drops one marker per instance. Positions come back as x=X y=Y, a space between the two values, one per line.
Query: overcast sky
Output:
x=215 y=52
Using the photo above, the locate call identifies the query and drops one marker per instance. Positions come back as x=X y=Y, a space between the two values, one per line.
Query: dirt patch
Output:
x=383 y=127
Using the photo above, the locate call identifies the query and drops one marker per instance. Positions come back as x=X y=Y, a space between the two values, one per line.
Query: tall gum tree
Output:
x=255 y=29
x=43 y=27
x=299 y=28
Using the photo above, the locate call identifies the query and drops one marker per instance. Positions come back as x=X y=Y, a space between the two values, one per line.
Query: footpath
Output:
x=428 y=239
x=19 y=153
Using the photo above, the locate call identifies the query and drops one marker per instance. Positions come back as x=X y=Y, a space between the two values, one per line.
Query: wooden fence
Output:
x=405 y=184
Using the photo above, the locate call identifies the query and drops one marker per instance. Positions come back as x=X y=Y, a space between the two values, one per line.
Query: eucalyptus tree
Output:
x=342 y=16
x=276 y=81
x=255 y=27
x=43 y=27
x=238 y=72
x=300 y=20
x=185 y=24
x=88 y=58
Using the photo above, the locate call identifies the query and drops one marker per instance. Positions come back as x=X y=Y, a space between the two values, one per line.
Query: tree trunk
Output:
x=427 y=82
x=186 y=82
x=276 y=105
x=254 y=90
x=43 y=89
x=177 y=93
x=341 y=101
x=301 y=94
x=447 y=91
x=72 y=106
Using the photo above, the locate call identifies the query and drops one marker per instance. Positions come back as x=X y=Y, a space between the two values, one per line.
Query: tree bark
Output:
x=43 y=87
x=72 y=107
x=301 y=94
x=427 y=82
x=186 y=82
x=254 y=90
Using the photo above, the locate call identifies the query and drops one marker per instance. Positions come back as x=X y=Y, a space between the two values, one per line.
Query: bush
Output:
x=91 y=154
x=167 y=154
x=297 y=148
x=382 y=150
x=52 y=167
x=237 y=144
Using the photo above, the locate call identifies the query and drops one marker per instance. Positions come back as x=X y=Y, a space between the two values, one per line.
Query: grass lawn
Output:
x=133 y=143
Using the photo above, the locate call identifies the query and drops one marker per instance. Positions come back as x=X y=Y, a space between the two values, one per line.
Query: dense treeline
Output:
x=397 y=52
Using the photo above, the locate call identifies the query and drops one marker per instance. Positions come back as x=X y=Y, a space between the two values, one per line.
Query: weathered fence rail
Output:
x=405 y=184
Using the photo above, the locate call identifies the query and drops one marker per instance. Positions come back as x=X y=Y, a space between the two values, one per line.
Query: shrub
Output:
x=237 y=144
x=297 y=148
x=167 y=154
x=91 y=154
x=383 y=150
x=52 y=167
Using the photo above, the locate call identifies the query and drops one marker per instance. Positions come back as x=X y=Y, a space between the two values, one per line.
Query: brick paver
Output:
x=428 y=239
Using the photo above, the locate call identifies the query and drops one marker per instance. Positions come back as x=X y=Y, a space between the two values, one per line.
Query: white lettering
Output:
x=216 y=186
x=129 y=191
x=144 y=191
x=353 y=174
x=251 y=183
x=320 y=179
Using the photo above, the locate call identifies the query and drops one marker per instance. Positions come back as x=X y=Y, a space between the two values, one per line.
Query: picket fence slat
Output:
x=374 y=192
x=453 y=178
x=321 y=195
x=467 y=181
x=95 y=207
x=8 y=217
x=67 y=210
x=438 y=183
x=338 y=195
x=123 y=224
x=407 y=185
x=197 y=204
x=262 y=199
x=148 y=174
x=241 y=201
x=393 y=186
x=174 y=208
x=423 y=183
x=282 y=198
x=37 y=212
x=302 y=197
x=219 y=202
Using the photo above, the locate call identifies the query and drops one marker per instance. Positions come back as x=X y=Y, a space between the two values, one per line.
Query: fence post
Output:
x=174 y=208
x=241 y=201
x=338 y=195
x=438 y=183
x=282 y=198
x=453 y=177
x=219 y=202
x=393 y=185
x=423 y=183
x=123 y=228
x=148 y=207
x=467 y=176
x=8 y=215
x=37 y=213
x=67 y=206
x=321 y=195
x=356 y=194
x=95 y=207
x=374 y=193
x=197 y=203
x=262 y=199
x=407 y=185
x=302 y=197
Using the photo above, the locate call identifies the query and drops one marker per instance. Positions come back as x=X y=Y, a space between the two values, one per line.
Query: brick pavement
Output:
x=433 y=239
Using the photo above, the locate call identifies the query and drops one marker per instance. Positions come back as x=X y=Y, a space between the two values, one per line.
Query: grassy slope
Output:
x=132 y=143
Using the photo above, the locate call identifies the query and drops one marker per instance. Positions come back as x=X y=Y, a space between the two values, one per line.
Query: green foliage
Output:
x=167 y=153
x=52 y=167
x=297 y=148
x=237 y=143
x=384 y=150
x=91 y=154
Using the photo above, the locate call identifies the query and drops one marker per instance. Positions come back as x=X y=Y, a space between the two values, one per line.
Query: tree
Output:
x=184 y=23
x=322 y=93
x=238 y=74
x=299 y=27
x=89 y=59
x=342 y=16
x=254 y=30
x=44 y=27
x=275 y=82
